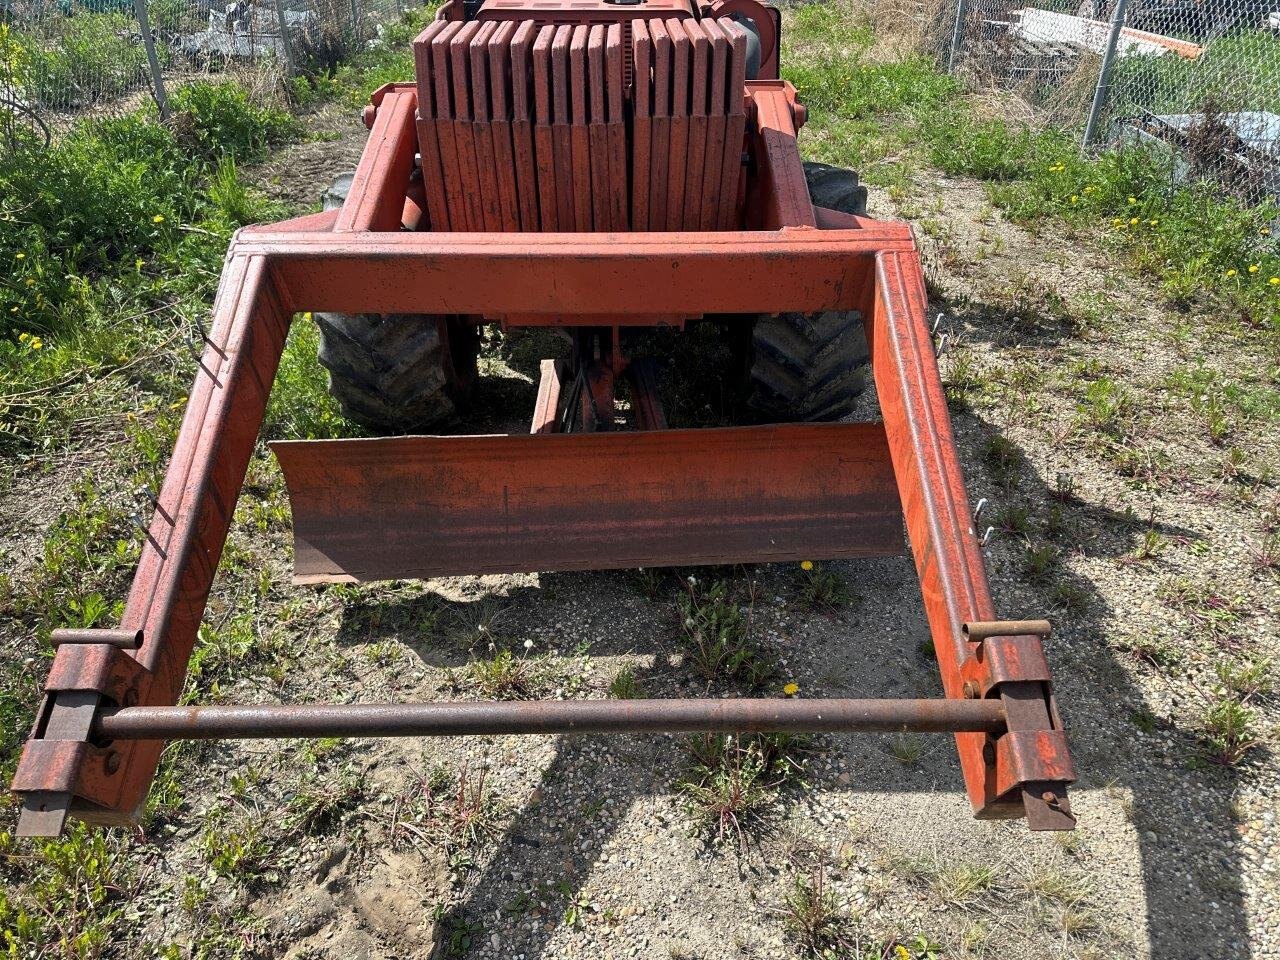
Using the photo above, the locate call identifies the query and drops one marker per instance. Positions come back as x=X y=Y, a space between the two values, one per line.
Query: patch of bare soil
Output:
x=300 y=173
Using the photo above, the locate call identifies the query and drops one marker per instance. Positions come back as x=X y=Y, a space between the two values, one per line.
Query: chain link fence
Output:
x=64 y=59
x=1196 y=81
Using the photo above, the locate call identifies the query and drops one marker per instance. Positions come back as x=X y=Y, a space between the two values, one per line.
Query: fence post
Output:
x=957 y=34
x=1104 y=74
x=286 y=43
x=148 y=41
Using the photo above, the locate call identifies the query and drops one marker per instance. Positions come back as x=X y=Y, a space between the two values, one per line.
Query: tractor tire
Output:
x=395 y=373
x=812 y=367
x=807 y=367
x=835 y=188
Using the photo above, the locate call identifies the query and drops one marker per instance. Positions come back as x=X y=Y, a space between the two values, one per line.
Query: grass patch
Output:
x=822 y=589
x=456 y=813
x=717 y=635
x=734 y=778
x=1229 y=731
x=504 y=676
x=68 y=897
x=112 y=244
x=813 y=918
x=625 y=685
x=886 y=115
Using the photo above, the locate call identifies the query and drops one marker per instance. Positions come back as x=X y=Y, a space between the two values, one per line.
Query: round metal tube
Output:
x=985 y=630
x=550 y=716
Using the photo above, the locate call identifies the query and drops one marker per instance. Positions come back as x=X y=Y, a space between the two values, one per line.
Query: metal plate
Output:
x=416 y=507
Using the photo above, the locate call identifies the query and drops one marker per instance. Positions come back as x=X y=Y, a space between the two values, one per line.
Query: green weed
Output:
x=625 y=685
x=504 y=676
x=67 y=897
x=717 y=636
x=1229 y=731
x=821 y=588
x=813 y=918
x=219 y=120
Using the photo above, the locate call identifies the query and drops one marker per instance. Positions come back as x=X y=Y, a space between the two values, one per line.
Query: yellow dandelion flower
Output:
x=1133 y=221
x=31 y=282
x=1090 y=188
x=1253 y=268
x=307 y=315
x=19 y=256
x=23 y=337
x=901 y=953
x=1274 y=281
x=1231 y=273
x=1132 y=201
x=158 y=218
x=806 y=564
x=1075 y=198
x=35 y=343
x=791 y=689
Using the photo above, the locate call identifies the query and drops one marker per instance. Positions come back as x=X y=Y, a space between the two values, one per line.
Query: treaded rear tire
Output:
x=808 y=366
x=812 y=366
x=398 y=372
x=835 y=188
x=393 y=373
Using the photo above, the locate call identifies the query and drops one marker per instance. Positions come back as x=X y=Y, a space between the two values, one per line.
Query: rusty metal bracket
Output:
x=1010 y=659
x=98 y=668
x=1027 y=756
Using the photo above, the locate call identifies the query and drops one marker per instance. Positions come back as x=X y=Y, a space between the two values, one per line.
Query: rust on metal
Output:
x=550 y=716
x=948 y=556
x=588 y=501
x=1000 y=660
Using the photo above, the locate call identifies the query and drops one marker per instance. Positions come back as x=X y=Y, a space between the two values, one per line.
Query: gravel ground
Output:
x=549 y=847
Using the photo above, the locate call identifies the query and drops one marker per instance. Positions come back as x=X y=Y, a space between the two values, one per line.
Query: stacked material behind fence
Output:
x=1198 y=83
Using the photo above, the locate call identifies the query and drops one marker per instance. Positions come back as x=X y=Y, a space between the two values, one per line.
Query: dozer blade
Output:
x=416 y=507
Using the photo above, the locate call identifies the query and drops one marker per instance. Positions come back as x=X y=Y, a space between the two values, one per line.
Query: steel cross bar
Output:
x=550 y=716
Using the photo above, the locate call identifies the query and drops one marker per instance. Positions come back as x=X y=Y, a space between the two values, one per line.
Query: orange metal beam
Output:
x=588 y=501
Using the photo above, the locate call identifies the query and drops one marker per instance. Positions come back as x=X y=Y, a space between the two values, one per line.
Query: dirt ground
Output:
x=583 y=847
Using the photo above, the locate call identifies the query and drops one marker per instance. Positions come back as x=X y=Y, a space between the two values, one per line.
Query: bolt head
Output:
x=113 y=762
x=971 y=690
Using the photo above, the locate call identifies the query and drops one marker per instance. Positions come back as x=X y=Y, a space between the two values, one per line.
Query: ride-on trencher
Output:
x=599 y=166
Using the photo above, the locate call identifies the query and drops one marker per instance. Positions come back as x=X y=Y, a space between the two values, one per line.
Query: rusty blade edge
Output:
x=549 y=716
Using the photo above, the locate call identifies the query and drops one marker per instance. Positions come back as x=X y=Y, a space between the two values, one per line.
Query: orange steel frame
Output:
x=794 y=258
